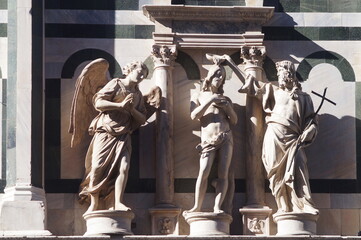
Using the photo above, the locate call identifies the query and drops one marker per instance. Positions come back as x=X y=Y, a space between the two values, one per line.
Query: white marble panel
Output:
x=3 y=16
x=322 y=19
x=329 y=222
x=346 y=201
x=286 y=20
x=4 y=57
x=313 y=19
x=350 y=19
x=118 y=17
x=350 y=222
x=333 y=154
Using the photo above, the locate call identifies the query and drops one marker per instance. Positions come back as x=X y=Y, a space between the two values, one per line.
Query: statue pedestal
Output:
x=208 y=223
x=291 y=223
x=256 y=220
x=108 y=222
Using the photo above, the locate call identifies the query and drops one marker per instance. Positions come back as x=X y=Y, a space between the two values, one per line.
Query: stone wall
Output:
x=322 y=38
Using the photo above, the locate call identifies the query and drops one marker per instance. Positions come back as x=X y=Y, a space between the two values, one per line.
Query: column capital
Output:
x=164 y=55
x=253 y=55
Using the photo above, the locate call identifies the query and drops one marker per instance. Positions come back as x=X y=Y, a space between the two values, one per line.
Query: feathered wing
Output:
x=152 y=100
x=91 y=80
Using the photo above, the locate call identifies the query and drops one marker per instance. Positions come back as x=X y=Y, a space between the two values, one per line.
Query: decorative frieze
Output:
x=259 y=15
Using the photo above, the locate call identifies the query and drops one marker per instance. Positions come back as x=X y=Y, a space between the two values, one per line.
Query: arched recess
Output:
x=90 y=54
x=189 y=65
x=306 y=65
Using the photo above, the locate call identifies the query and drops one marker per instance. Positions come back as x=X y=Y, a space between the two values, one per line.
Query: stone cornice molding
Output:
x=257 y=15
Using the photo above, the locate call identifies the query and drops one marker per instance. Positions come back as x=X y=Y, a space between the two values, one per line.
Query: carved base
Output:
x=295 y=223
x=208 y=223
x=165 y=220
x=23 y=212
x=256 y=220
x=108 y=222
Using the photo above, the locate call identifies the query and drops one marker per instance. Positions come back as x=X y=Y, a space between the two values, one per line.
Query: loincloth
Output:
x=215 y=142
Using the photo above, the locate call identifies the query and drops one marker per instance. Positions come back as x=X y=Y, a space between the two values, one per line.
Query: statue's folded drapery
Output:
x=284 y=159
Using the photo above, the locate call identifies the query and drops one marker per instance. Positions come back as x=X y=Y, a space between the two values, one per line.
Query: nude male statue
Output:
x=215 y=113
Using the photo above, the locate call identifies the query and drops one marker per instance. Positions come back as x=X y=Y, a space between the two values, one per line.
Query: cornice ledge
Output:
x=259 y=15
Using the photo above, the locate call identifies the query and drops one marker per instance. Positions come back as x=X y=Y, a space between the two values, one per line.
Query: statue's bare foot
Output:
x=122 y=207
x=217 y=210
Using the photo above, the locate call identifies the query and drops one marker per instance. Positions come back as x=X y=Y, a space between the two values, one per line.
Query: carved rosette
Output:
x=256 y=225
x=164 y=55
x=253 y=55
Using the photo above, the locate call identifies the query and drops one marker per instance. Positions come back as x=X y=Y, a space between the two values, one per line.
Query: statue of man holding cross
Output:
x=291 y=125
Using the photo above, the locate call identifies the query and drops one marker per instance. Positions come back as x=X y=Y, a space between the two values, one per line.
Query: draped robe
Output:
x=111 y=141
x=288 y=114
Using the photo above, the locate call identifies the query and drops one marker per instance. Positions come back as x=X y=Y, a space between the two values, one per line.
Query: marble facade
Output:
x=333 y=159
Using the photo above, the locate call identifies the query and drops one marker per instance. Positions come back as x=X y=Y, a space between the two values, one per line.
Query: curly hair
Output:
x=133 y=65
x=289 y=67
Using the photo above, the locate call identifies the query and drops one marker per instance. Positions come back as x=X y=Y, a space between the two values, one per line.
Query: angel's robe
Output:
x=287 y=116
x=111 y=141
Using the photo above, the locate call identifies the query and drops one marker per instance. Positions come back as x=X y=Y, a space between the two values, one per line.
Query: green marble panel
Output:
x=343 y=5
x=314 y=6
x=93 y=4
x=122 y=31
x=144 y=31
x=355 y=33
x=3 y=30
x=289 y=5
x=334 y=33
x=308 y=32
x=3 y=4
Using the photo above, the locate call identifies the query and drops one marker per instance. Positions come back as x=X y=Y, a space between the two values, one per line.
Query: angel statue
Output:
x=110 y=111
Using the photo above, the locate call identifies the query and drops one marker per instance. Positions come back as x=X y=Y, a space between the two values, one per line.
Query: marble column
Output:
x=165 y=214
x=255 y=213
x=23 y=206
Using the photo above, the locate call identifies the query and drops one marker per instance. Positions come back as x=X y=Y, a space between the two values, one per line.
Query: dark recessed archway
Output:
x=90 y=54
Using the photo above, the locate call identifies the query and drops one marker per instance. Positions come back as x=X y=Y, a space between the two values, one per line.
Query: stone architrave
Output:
x=164 y=214
x=255 y=213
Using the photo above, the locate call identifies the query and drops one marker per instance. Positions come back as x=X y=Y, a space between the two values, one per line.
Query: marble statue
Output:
x=291 y=126
x=215 y=113
x=110 y=114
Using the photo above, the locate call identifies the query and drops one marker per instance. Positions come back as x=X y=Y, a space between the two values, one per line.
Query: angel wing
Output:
x=152 y=100
x=91 y=80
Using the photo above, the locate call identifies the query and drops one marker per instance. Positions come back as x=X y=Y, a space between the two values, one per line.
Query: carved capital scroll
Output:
x=164 y=55
x=253 y=55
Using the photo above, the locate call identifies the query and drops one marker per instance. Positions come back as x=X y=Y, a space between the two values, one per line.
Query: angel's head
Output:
x=136 y=71
x=215 y=79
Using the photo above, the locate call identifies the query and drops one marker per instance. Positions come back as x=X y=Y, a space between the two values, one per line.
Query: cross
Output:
x=323 y=96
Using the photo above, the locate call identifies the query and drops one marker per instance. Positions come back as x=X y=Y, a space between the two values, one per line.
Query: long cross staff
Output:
x=323 y=96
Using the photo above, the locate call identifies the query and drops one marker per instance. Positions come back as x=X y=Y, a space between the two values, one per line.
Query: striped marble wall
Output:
x=322 y=37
